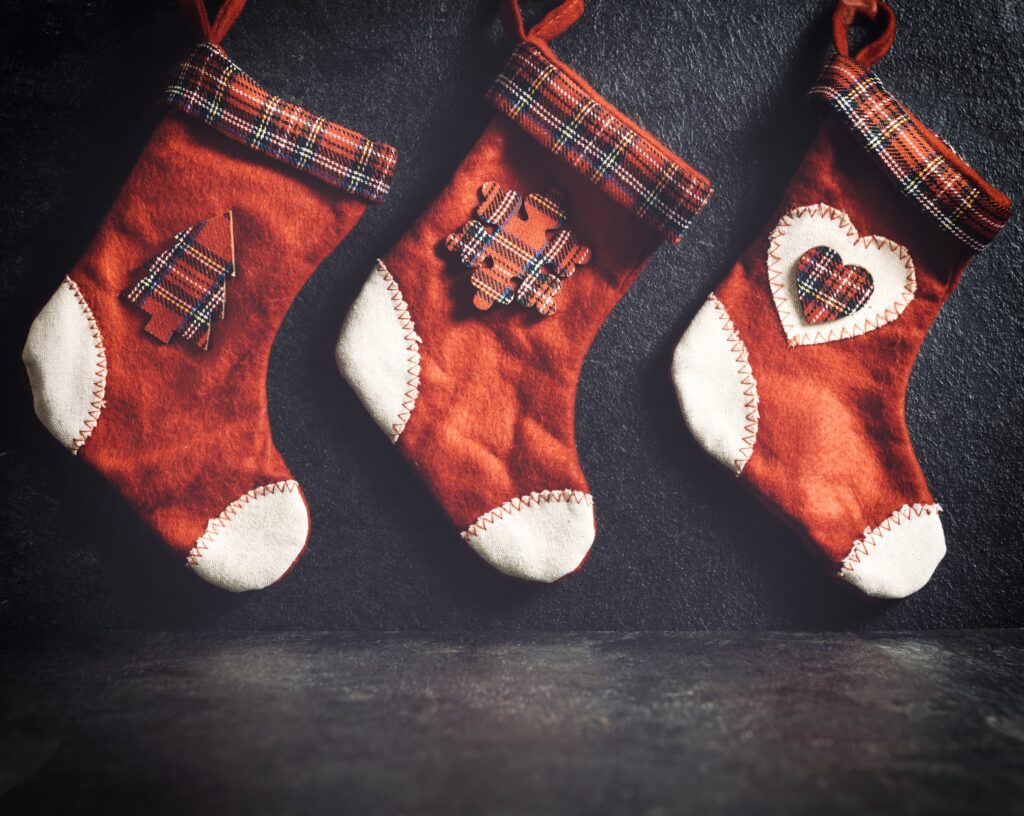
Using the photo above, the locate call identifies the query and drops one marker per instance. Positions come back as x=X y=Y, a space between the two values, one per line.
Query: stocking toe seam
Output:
x=542 y=547
x=241 y=563
x=898 y=556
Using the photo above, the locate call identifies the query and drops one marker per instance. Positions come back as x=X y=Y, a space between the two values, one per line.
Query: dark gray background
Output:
x=680 y=545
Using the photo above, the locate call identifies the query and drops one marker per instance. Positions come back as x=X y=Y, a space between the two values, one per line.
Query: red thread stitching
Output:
x=413 y=340
x=873 y=537
x=530 y=500
x=216 y=525
x=746 y=378
x=99 y=386
x=776 y=277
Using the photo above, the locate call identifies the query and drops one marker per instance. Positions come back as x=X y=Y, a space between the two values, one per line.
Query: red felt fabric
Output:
x=183 y=431
x=833 y=453
x=494 y=419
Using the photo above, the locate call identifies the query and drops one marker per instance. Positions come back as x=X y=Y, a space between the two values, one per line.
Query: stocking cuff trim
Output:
x=216 y=91
x=921 y=164
x=566 y=116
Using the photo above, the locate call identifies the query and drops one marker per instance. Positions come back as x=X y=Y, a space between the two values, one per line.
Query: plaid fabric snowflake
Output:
x=215 y=90
x=827 y=288
x=585 y=131
x=185 y=286
x=473 y=243
x=518 y=250
x=907 y=151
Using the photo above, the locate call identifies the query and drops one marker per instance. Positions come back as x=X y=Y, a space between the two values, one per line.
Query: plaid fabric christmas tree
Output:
x=185 y=286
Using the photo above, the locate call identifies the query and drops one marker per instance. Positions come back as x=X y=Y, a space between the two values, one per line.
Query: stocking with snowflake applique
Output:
x=467 y=340
x=794 y=372
x=150 y=360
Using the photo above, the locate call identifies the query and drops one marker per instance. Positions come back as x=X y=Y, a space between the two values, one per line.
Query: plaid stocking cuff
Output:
x=923 y=167
x=216 y=91
x=581 y=128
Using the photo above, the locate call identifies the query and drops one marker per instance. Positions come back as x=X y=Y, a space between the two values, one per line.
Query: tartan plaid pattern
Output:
x=474 y=241
x=216 y=91
x=185 y=286
x=502 y=248
x=583 y=130
x=907 y=151
x=537 y=287
x=829 y=290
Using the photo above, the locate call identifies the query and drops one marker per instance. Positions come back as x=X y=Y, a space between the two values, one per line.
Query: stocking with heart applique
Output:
x=466 y=342
x=794 y=372
x=150 y=360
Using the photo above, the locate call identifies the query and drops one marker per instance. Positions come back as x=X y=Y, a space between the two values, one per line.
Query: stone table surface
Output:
x=704 y=723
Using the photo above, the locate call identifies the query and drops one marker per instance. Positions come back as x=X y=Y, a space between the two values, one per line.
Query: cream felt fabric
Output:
x=898 y=557
x=716 y=388
x=255 y=540
x=378 y=352
x=539 y=537
x=67 y=366
x=889 y=264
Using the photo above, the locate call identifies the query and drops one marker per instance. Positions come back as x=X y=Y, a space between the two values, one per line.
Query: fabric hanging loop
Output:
x=844 y=17
x=199 y=21
x=554 y=23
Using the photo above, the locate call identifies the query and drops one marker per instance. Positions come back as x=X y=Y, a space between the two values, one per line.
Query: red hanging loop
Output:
x=843 y=18
x=554 y=23
x=199 y=20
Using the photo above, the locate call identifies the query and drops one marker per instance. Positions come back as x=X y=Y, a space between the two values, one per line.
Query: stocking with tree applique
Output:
x=794 y=372
x=150 y=360
x=467 y=340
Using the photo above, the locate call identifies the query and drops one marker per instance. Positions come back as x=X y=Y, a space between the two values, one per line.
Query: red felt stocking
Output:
x=467 y=339
x=150 y=360
x=794 y=373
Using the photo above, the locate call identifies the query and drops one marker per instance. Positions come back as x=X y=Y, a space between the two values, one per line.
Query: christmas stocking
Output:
x=466 y=342
x=150 y=359
x=794 y=372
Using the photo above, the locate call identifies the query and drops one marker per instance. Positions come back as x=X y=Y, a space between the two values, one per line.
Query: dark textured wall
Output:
x=680 y=545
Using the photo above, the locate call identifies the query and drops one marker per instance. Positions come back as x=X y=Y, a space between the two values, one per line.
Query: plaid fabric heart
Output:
x=829 y=289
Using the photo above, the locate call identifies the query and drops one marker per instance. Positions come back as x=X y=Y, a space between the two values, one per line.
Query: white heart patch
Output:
x=819 y=225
